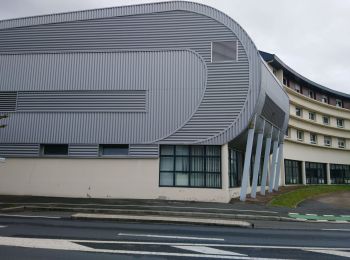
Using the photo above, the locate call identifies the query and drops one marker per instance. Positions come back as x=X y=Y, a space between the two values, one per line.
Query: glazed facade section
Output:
x=317 y=143
x=173 y=85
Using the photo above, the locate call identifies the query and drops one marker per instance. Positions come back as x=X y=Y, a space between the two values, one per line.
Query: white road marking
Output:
x=311 y=214
x=28 y=216
x=62 y=244
x=321 y=220
x=202 y=244
x=59 y=244
x=2 y=226
x=171 y=237
x=328 y=215
x=302 y=219
x=337 y=229
x=332 y=252
x=208 y=250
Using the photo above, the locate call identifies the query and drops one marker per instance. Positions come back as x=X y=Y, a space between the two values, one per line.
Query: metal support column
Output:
x=266 y=162
x=257 y=161
x=303 y=172
x=278 y=167
x=247 y=157
x=329 y=173
x=273 y=165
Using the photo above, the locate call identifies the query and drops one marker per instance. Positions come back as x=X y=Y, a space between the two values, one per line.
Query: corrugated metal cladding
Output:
x=173 y=83
x=82 y=101
x=157 y=31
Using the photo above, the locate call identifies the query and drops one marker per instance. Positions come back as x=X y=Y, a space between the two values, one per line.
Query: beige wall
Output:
x=96 y=178
x=305 y=152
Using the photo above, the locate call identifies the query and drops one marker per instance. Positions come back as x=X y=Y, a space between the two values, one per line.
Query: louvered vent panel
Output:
x=82 y=101
x=83 y=150
x=19 y=150
x=273 y=113
x=8 y=101
x=144 y=150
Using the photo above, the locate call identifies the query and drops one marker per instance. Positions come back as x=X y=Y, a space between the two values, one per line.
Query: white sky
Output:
x=311 y=36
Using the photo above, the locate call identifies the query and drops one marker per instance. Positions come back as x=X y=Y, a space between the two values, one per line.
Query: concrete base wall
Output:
x=300 y=152
x=95 y=178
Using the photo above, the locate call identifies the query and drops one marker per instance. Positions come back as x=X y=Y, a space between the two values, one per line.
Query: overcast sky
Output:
x=311 y=36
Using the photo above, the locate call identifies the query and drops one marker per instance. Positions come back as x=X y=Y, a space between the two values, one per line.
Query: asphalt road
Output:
x=55 y=238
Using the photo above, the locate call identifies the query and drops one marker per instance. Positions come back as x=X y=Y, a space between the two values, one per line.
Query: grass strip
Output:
x=293 y=198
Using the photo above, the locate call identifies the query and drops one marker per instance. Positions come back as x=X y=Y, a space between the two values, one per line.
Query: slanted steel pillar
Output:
x=247 y=157
x=278 y=167
x=257 y=161
x=266 y=162
x=273 y=165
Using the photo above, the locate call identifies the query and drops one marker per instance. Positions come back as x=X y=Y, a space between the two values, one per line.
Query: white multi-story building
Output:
x=317 y=142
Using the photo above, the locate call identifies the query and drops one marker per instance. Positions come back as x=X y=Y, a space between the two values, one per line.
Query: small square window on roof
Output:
x=224 y=51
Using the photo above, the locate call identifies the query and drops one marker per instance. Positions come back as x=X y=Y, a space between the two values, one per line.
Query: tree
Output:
x=3 y=117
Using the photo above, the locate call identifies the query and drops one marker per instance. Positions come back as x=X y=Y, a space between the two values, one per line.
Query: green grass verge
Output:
x=293 y=198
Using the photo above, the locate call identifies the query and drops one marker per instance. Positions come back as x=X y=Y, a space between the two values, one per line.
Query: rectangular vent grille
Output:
x=8 y=101
x=273 y=113
x=82 y=101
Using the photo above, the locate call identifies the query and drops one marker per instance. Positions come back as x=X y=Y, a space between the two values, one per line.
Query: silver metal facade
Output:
x=157 y=55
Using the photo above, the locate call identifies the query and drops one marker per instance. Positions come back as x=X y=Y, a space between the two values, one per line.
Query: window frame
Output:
x=44 y=146
x=341 y=140
x=342 y=124
x=300 y=111
x=339 y=101
x=312 y=116
x=313 y=138
x=102 y=147
x=302 y=135
x=327 y=137
x=190 y=173
x=325 y=99
x=328 y=118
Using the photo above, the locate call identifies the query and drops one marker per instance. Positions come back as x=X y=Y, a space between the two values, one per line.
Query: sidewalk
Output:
x=235 y=213
x=228 y=214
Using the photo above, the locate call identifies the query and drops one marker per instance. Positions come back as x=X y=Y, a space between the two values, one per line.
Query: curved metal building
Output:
x=119 y=85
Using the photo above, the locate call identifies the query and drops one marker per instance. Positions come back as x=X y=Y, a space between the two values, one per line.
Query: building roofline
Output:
x=272 y=58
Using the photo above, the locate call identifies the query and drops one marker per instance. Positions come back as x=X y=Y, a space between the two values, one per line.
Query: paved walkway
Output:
x=329 y=207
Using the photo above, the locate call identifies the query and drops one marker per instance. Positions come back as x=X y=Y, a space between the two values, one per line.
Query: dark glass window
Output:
x=224 y=51
x=190 y=166
x=54 y=149
x=315 y=173
x=235 y=168
x=340 y=174
x=114 y=149
x=292 y=172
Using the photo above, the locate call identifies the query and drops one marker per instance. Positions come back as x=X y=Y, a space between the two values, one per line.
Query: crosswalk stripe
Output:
x=208 y=250
x=331 y=252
